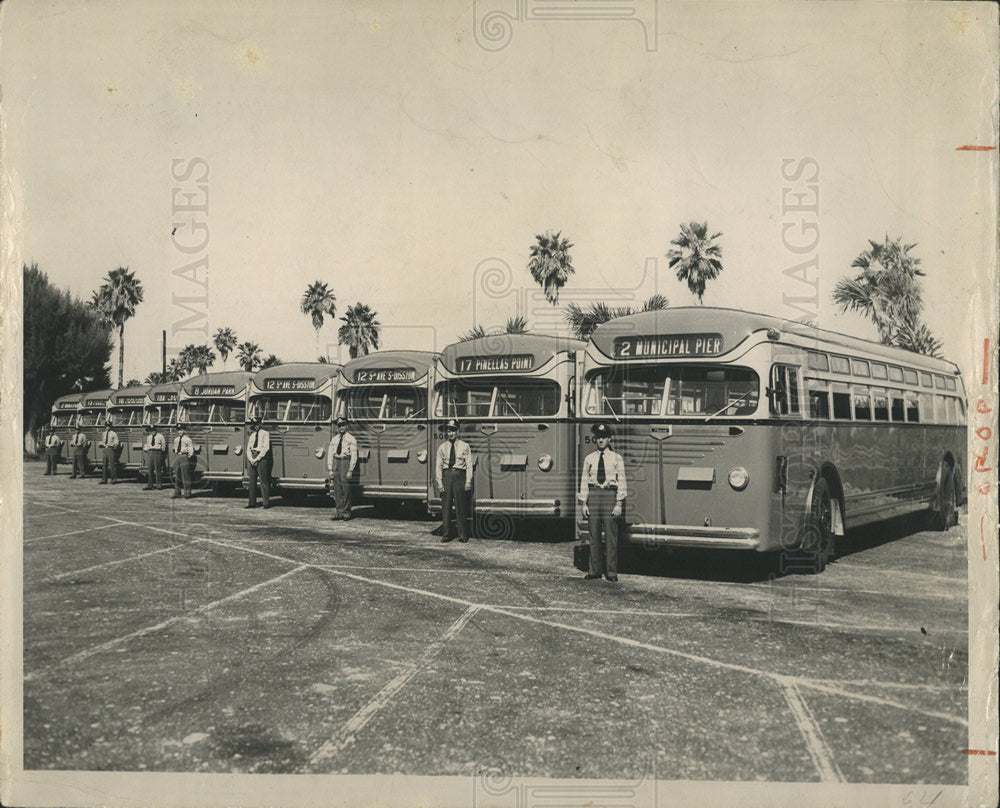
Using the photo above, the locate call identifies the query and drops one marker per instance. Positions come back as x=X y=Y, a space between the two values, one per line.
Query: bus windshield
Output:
x=161 y=414
x=125 y=417
x=673 y=390
x=63 y=419
x=296 y=408
x=509 y=398
x=206 y=411
x=90 y=418
x=385 y=403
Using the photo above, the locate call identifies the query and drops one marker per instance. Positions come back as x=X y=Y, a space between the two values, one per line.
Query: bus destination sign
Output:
x=373 y=375
x=95 y=402
x=127 y=400
x=164 y=396
x=289 y=384
x=511 y=363
x=213 y=389
x=667 y=346
x=67 y=405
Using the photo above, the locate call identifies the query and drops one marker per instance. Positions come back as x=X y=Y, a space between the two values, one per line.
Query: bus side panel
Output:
x=215 y=452
x=294 y=448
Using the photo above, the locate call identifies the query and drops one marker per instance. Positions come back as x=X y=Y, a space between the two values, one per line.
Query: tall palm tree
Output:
x=696 y=257
x=318 y=301
x=197 y=357
x=224 y=341
x=248 y=354
x=550 y=263
x=360 y=330
x=177 y=369
x=886 y=290
x=155 y=378
x=115 y=301
x=583 y=321
x=919 y=339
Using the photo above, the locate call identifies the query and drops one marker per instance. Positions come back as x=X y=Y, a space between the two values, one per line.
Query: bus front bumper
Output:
x=222 y=476
x=418 y=493
x=715 y=538
x=302 y=483
x=517 y=508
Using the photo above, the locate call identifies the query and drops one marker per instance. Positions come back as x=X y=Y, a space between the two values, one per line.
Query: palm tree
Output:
x=516 y=325
x=360 y=330
x=248 y=354
x=696 y=257
x=177 y=369
x=919 y=339
x=132 y=383
x=886 y=289
x=225 y=341
x=197 y=357
x=583 y=321
x=473 y=333
x=317 y=301
x=550 y=264
x=155 y=378
x=270 y=361
x=115 y=301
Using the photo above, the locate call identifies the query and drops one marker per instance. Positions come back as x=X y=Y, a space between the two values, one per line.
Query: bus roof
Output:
x=313 y=374
x=237 y=379
x=736 y=326
x=95 y=398
x=65 y=402
x=138 y=391
x=541 y=347
x=419 y=361
x=166 y=387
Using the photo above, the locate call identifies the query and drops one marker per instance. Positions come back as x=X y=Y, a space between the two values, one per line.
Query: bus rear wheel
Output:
x=817 y=539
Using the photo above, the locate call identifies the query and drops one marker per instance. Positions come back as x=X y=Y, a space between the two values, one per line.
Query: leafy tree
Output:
x=248 y=354
x=360 y=330
x=696 y=257
x=318 y=301
x=67 y=347
x=583 y=321
x=887 y=292
x=224 y=340
x=197 y=357
x=115 y=300
x=270 y=361
x=550 y=263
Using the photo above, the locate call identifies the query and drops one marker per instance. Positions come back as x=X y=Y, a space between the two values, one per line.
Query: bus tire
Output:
x=817 y=536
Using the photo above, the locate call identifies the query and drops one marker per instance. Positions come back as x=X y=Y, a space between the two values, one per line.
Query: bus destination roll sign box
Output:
x=289 y=384
x=680 y=345
x=511 y=363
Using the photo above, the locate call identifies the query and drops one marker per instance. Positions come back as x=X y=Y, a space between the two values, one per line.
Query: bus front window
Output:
x=508 y=398
x=673 y=390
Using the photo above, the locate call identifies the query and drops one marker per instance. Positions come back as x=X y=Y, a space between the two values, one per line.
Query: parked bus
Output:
x=125 y=407
x=384 y=397
x=750 y=432
x=213 y=405
x=91 y=414
x=63 y=421
x=296 y=403
x=161 y=409
x=514 y=395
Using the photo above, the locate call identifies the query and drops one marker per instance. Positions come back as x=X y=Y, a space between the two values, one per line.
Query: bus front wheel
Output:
x=817 y=539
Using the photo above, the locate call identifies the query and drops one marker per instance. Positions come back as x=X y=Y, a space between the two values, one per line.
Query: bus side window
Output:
x=862 y=404
x=819 y=403
x=898 y=414
x=842 y=404
x=912 y=410
x=784 y=390
x=880 y=402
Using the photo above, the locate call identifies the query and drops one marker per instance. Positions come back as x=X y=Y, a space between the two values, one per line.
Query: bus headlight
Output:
x=319 y=452
x=738 y=478
x=545 y=462
x=238 y=451
x=422 y=456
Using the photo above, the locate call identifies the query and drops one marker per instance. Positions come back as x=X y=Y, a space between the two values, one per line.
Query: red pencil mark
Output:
x=987 y=752
x=986 y=360
x=975 y=148
x=982 y=533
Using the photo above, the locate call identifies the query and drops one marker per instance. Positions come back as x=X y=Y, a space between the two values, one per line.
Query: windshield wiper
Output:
x=413 y=415
x=730 y=404
x=507 y=402
x=611 y=406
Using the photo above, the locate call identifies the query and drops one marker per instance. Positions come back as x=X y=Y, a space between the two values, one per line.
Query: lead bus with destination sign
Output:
x=63 y=422
x=515 y=397
x=749 y=432
x=213 y=405
x=91 y=414
x=295 y=402
x=384 y=397
x=125 y=408
x=160 y=410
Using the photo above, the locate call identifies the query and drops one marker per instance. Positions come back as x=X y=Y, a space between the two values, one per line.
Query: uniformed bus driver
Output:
x=341 y=458
x=453 y=476
x=602 y=492
x=258 y=453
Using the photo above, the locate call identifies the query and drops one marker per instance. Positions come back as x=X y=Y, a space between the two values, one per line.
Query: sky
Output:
x=408 y=154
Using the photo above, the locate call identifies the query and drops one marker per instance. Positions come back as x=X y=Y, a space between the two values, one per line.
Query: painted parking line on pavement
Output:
x=357 y=722
x=125 y=560
x=816 y=745
x=104 y=646
x=33 y=539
